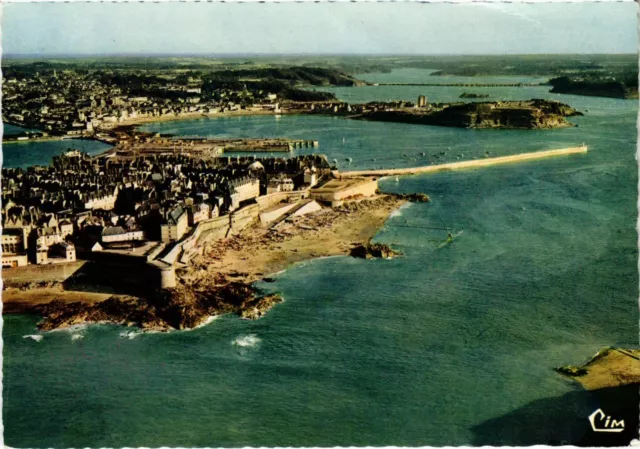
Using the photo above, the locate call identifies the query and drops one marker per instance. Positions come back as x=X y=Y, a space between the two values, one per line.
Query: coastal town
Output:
x=143 y=211
x=147 y=225
x=98 y=204
x=329 y=224
x=184 y=226
x=77 y=103
x=97 y=104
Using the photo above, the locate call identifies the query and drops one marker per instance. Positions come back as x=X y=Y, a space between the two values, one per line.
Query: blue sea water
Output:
x=451 y=345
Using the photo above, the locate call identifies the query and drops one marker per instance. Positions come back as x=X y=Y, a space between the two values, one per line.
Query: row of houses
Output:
x=80 y=201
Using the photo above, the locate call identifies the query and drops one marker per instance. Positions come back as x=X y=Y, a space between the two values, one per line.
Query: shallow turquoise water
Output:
x=442 y=346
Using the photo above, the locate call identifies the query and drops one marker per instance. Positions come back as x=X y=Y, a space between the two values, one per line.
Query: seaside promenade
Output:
x=464 y=164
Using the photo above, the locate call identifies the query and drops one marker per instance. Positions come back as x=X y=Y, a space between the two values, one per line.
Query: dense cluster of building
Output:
x=332 y=107
x=81 y=103
x=99 y=204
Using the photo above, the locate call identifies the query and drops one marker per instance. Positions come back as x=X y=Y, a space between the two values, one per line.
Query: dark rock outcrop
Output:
x=373 y=251
x=571 y=371
x=255 y=308
x=184 y=307
x=414 y=197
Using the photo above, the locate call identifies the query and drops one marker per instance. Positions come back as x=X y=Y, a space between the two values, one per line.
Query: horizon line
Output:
x=248 y=54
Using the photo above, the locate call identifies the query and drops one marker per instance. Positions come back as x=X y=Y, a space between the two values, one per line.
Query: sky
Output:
x=49 y=29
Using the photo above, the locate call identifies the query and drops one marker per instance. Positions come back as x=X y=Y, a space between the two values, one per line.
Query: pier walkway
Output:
x=464 y=164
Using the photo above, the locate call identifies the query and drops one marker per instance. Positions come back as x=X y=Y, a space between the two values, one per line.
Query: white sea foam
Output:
x=37 y=338
x=76 y=328
x=209 y=320
x=246 y=341
x=398 y=211
x=76 y=331
x=136 y=333
x=130 y=334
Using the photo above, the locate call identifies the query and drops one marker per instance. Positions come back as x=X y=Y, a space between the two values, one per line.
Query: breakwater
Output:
x=466 y=164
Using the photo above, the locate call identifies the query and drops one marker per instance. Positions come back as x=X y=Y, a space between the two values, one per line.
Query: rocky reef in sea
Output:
x=374 y=251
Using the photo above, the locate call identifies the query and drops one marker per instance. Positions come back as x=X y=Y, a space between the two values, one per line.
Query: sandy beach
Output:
x=257 y=252
x=195 y=115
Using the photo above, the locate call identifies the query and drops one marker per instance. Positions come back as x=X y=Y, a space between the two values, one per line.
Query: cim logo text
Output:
x=601 y=422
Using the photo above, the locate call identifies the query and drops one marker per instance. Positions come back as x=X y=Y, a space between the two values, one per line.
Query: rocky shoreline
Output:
x=221 y=280
x=176 y=309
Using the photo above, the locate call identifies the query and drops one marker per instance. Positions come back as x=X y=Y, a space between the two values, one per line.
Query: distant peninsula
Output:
x=597 y=86
x=531 y=114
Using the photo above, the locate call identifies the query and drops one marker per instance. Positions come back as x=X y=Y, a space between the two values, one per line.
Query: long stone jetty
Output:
x=466 y=164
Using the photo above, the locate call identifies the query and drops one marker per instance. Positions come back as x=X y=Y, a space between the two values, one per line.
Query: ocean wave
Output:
x=74 y=329
x=209 y=320
x=136 y=333
x=246 y=341
x=130 y=334
x=37 y=338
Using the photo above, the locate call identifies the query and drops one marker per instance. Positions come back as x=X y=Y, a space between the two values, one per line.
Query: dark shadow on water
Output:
x=564 y=420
